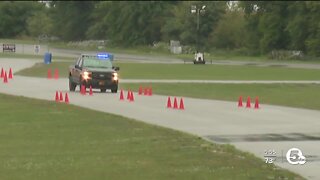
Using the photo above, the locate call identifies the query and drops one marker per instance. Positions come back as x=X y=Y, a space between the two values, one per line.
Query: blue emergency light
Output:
x=103 y=56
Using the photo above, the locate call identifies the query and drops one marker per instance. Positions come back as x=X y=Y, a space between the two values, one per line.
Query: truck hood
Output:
x=100 y=70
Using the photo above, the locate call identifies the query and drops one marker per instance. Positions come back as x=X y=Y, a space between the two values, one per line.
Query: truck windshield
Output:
x=97 y=63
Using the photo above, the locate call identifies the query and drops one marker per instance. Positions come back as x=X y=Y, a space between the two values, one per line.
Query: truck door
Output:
x=77 y=71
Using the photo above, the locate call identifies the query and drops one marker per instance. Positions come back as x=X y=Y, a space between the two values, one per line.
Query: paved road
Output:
x=271 y=127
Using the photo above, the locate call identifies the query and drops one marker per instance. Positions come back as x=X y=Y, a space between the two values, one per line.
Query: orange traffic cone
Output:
x=49 y=74
x=56 y=74
x=10 y=74
x=57 y=97
x=169 y=103
x=145 y=91
x=256 y=104
x=2 y=73
x=248 y=103
x=5 y=78
x=61 y=96
x=66 y=99
x=140 y=90
x=84 y=91
x=81 y=89
x=150 y=91
x=175 y=103
x=131 y=96
x=128 y=95
x=121 y=95
x=181 y=107
x=90 y=92
x=240 y=102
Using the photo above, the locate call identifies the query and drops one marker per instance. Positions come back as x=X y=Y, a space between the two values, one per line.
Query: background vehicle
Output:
x=199 y=58
x=94 y=70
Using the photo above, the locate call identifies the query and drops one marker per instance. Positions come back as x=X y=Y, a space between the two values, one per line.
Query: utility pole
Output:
x=196 y=10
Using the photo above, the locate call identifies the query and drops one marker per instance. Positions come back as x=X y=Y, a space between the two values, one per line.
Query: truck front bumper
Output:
x=100 y=84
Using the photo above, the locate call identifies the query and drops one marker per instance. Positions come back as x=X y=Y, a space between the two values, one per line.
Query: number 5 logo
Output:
x=295 y=156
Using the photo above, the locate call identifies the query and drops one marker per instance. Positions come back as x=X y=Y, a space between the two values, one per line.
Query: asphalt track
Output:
x=253 y=130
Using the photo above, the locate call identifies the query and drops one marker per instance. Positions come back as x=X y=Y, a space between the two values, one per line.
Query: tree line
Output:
x=251 y=27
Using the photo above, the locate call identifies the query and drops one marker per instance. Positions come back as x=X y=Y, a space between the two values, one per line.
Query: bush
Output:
x=285 y=54
x=161 y=46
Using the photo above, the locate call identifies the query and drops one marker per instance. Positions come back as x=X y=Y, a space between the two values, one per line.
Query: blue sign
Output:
x=104 y=56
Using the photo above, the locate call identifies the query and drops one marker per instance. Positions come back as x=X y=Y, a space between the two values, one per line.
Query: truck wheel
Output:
x=72 y=86
x=103 y=90
x=114 y=90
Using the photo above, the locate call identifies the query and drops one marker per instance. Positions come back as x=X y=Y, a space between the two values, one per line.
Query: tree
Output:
x=313 y=40
x=266 y=25
x=39 y=23
x=14 y=15
x=230 y=31
x=273 y=26
x=129 y=23
x=297 y=25
x=99 y=27
x=71 y=19
x=183 y=25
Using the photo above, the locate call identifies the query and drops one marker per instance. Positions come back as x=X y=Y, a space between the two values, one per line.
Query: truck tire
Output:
x=114 y=90
x=72 y=86
x=103 y=90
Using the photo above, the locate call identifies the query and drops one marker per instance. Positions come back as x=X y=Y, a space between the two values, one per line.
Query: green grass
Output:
x=137 y=50
x=213 y=72
x=148 y=50
x=33 y=57
x=45 y=140
x=225 y=55
x=20 y=41
x=41 y=69
x=292 y=95
x=190 y=71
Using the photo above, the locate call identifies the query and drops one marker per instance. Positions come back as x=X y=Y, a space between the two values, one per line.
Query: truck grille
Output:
x=102 y=76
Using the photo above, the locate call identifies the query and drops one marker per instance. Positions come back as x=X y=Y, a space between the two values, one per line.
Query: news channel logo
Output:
x=294 y=156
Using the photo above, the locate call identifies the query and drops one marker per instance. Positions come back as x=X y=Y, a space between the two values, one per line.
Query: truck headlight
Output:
x=115 y=76
x=86 y=75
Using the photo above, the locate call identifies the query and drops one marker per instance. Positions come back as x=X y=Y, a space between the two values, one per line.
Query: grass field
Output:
x=20 y=41
x=28 y=56
x=33 y=57
x=148 y=50
x=190 y=71
x=45 y=140
x=292 y=95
